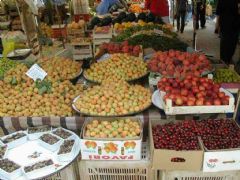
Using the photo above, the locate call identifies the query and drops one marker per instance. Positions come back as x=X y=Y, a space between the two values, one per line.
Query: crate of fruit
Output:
x=192 y=96
x=82 y=48
x=124 y=170
x=104 y=32
x=124 y=47
x=112 y=139
x=173 y=147
x=228 y=78
x=59 y=31
x=221 y=142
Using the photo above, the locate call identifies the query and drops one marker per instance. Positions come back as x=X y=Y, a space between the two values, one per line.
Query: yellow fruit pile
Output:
x=121 y=27
x=60 y=68
x=24 y=99
x=46 y=30
x=119 y=128
x=117 y=67
x=135 y=8
x=79 y=25
x=113 y=99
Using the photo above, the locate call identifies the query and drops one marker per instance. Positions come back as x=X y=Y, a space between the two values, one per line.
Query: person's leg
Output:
x=178 y=21
x=228 y=45
x=198 y=15
x=183 y=14
x=203 y=17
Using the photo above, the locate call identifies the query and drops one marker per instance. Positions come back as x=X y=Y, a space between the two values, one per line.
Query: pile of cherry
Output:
x=193 y=91
x=214 y=133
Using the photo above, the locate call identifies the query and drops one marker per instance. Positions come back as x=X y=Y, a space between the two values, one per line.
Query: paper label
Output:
x=36 y=72
x=111 y=150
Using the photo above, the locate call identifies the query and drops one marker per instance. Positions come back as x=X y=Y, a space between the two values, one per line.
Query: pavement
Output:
x=207 y=40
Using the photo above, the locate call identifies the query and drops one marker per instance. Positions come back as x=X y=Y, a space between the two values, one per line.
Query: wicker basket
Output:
x=117 y=170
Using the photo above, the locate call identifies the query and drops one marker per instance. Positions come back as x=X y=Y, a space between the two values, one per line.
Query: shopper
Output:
x=181 y=10
x=108 y=5
x=201 y=13
x=189 y=12
x=228 y=24
x=159 y=8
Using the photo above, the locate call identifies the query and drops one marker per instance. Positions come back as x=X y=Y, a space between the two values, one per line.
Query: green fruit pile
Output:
x=226 y=76
x=5 y=65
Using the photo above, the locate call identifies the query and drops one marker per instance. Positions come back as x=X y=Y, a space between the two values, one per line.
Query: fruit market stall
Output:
x=136 y=115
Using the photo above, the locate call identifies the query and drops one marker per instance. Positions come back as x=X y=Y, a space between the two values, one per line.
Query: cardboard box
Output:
x=123 y=149
x=162 y=158
x=221 y=160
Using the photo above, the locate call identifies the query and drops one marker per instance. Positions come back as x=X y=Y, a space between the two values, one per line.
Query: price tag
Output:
x=36 y=72
x=157 y=31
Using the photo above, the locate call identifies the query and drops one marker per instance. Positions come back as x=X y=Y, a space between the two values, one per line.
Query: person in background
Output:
x=228 y=25
x=181 y=10
x=189 y=11
x=105 y=6
x=159 y=8
x=201 y=13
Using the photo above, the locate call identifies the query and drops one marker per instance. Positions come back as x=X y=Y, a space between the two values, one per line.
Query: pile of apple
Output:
x=193 y=91
x=119 y=128
x=123 y=47
x=114 y=99
x=179 y=64
x=118 y=67
x=184 y=135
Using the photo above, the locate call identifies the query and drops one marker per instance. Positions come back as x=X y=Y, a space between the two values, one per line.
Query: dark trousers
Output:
x=228 y=45
x=201 y=15
x=181 y=20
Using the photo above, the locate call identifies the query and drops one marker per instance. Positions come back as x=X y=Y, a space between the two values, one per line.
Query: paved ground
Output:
x=206 y=39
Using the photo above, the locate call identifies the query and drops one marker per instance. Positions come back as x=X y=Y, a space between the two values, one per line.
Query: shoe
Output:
x=204 y=27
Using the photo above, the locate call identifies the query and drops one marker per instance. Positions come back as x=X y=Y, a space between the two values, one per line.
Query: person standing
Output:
x=159 y=8
x=181 y=10
x=228 y=24
x=201 y=13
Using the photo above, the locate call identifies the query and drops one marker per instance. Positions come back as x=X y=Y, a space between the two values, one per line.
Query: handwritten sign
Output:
x=36 y=72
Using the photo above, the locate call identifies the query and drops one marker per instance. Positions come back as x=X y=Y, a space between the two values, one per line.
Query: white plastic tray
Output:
x=157 y=99
x=51 y=147
x=17 y=142
x=31 y=152
x=68 y=156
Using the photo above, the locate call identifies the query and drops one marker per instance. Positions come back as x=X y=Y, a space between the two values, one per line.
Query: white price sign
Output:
x=36 y=72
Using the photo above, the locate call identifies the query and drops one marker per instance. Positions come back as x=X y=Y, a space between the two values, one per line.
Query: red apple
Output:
x=199 y=102
x=179 y=101
x=217 y=102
